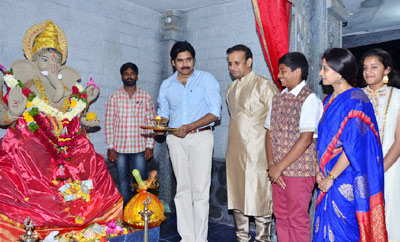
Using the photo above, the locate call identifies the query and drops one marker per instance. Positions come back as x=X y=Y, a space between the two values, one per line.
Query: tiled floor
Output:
x=216 y=232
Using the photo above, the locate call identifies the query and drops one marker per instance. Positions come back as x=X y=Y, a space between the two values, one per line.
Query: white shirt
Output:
x=311 y=111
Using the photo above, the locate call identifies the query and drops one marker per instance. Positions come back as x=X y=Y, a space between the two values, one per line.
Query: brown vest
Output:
x=285 y=118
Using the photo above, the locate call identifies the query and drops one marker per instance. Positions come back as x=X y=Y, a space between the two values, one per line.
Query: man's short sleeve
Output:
x=311 y=113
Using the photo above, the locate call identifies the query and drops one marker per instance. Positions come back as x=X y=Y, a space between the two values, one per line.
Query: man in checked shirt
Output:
x=129 y=146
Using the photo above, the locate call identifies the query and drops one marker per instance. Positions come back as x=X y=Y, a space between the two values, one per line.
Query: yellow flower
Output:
x=28 y=118
x=79 y=220
x=26 y=199
x=90 y=116
x=73 y=103
x=28 y=105
x=55 y=182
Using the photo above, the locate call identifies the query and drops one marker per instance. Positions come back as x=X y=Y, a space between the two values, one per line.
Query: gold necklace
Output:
x=57 y=126
x=385 y=115
x=40 y=88
x=43 y=96
x=66 y=105
x=333 y=96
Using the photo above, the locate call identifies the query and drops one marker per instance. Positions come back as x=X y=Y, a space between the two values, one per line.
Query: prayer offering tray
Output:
x=159 y=128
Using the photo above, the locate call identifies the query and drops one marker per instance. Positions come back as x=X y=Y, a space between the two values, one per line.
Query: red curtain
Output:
x=272 y=22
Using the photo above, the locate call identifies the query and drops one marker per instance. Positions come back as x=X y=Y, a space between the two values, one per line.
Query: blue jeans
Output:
x=125 y=165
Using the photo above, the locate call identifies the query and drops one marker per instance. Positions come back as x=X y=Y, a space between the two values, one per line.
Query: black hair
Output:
x=181 y=46
x=128 y=65
x=243 y=48
x=343 y=62
x=295 y=60
x=384 y=58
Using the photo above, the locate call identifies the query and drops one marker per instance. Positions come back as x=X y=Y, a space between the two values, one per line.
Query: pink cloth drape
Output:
x=272 y=22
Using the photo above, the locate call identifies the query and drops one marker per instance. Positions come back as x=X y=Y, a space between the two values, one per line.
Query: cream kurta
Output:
x=249 y=189
x=387 y=129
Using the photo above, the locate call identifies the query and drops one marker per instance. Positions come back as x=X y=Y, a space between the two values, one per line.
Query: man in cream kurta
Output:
x=249 y=99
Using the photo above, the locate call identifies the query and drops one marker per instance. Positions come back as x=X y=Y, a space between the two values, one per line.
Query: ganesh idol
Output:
x=49 y=169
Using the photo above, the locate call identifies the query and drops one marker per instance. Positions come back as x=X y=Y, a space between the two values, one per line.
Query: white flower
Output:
x=46 y=108
x=80 y=88
x=10 y=80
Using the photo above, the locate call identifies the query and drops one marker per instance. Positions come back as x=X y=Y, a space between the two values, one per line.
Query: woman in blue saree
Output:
x=350 y=204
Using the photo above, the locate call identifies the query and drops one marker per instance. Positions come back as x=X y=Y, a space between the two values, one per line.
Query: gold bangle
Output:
x=332 y=176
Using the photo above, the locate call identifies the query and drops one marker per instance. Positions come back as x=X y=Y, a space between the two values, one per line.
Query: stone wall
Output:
x=316 y=26
x=101 y=35
x=214 y=29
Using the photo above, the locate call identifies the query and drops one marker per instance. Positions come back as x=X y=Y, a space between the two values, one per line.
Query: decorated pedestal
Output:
x=144 y=205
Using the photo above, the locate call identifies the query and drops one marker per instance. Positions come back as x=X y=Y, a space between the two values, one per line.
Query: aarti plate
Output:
x=159 y=128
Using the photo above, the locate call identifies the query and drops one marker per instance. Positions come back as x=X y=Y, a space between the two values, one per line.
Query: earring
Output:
x=385 y=79
x=340 y=79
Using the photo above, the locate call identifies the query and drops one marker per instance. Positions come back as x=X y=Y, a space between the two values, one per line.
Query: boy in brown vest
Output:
x=290 y=146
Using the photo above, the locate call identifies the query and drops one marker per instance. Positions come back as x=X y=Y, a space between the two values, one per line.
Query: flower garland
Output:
x=59 y=145
x=78 y=100
x=96 y=232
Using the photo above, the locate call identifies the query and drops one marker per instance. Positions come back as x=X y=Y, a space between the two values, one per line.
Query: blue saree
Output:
x=353 y=208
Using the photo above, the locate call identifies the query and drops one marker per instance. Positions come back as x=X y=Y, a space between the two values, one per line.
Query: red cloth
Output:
x=291 y=208
x=272 y=22
x=27 y=169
